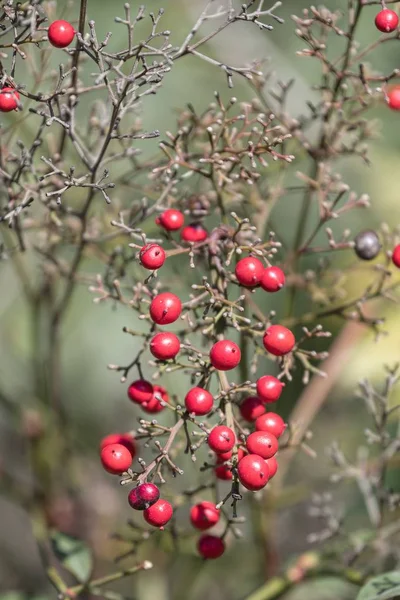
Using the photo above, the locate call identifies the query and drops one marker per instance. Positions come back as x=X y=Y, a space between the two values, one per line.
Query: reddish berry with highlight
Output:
x=223 y=471
x=225 y=355
x=9 y=99
x=159 y=513
x=61 y=33
x=269 y=388
x=278 y=340
x=386 y=20
x=210 y=546
x=154 y=405
x=272 y=423
x=251 y=408
x=143 y=496
x=165 y=345
x=221 y=439
x=396 y=256
x=165 y=308
x=204 y=515
x=253 y=472
x=272 y=466
x=249 y=271
x=152 y=256
x=273 y=279
x=171 y=219
x=140 y=391
x=115 y=458
x=262 y=443
x=199 y=401
x=393 y=98
x=125 y=439
x=194 y=232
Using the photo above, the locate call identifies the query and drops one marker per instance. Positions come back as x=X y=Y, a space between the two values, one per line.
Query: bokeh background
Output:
x=96 y=401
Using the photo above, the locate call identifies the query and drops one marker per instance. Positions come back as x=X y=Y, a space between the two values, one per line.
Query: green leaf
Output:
x=383 y=587
x=74 y=555
x=323 y=588
x=12 y=596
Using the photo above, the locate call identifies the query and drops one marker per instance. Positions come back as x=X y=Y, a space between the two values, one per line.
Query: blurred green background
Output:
x=96 y=401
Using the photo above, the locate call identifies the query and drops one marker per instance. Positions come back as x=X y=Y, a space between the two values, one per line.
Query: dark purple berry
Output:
x=367 y=245
x=143 y=496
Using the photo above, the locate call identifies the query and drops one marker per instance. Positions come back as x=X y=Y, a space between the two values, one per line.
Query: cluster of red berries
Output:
x=173 y=220
x=387 y=21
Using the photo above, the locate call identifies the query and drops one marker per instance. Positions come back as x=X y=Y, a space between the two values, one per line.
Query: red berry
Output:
x=269 y=388
x=249 y=271
x=152 y=256
x=221 y=439
x=272 y=466
x=253 y=472
x=204 y=515
x=171 y=219
x=199 y=401
x=125 y=439
x=224 y=472
x=165 y=345
x=225 y=355
x=165 y=308
x=194 y=232
x=262 y=443
x=116 y=459
x=143 y=496
x=278 y=340
x=386 y=20
x=9 y=99
x=273 y=279
x=61 y=33
x=154 y=404
x=396 y=256
x=159 y=513
x=210 y=546
x=140 y=391
x=272 y=423
x=393 y=98
x=251 y=408
x=224 y=456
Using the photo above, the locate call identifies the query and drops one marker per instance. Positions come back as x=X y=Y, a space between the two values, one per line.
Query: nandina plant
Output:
x=185 y=241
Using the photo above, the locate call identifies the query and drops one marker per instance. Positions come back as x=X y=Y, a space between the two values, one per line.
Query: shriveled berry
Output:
x=393 y=97
x=251 y=408
x=159 y=513
x=396 y=256
x=272 y=423
x=199 y=401
x=253 y=472
x=143 y=496
x=249 y=271
x=272 y=466
x=165 y=345
x=269 y=388
x=125 y=439
x=9 y=99
x=171 y=219
x=154 y=405
x=61 y=33
x=204 y=515
x=152 y=256
x=278 y=340
x=165 y=308
x=140 y=391
x=225 y=355
x=386 y=20
x=262 y=443
x=194 y=232
x=115 y=458
x=221 y=439
x=273 y=279
x=367 y=245
x=210 y=546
